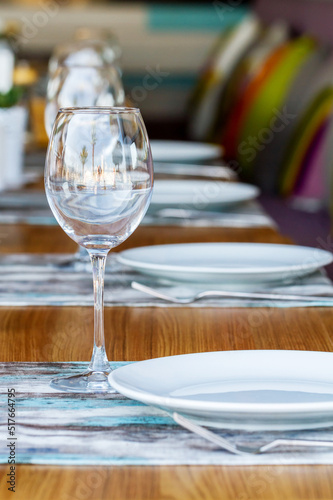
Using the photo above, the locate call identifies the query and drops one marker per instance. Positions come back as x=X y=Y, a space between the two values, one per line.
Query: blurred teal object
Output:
x=195 y=17
x=179 y=80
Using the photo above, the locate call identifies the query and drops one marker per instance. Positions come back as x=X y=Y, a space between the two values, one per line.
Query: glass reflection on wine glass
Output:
x=98 y=182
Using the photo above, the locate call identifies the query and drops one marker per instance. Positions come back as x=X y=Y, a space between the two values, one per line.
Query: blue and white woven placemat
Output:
x=52 y=427
x=48 y=280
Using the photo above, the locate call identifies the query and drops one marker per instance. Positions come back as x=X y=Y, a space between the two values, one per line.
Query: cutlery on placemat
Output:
x=182 y=213
x=246 y=450
x=228 y=294
x=218 y=172
x=234 y=219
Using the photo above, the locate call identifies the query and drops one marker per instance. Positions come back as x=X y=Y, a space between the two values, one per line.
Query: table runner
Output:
x=30 y=279
x=31 y=207
x=53 y=427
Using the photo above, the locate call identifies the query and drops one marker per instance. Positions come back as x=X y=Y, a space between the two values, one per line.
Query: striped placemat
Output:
x=52 y=427
x=52 y=280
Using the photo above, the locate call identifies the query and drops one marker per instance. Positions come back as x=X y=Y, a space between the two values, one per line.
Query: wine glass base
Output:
x=88 y=382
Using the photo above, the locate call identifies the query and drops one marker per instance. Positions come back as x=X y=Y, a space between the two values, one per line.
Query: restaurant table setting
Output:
x=192 y=202
x=195 y=275
x=143 y=413
x=201 y=198
x=225 y=407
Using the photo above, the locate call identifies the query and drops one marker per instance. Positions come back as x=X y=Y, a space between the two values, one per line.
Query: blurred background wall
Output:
x=164 y=45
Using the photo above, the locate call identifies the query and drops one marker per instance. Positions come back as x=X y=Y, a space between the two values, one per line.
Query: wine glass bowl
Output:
x=98 y=182
x=82 y=86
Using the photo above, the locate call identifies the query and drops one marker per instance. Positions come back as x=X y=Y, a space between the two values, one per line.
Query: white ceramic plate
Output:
x=184 y=151
x=218 y=172
x=237 y=389
x=197 y=194
x=226 y=262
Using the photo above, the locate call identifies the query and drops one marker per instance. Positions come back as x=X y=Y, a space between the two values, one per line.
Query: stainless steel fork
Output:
x=246 y=450
x=229 y=294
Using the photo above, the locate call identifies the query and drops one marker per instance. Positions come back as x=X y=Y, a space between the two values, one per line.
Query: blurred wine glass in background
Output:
x=78 y=86
x=91 y=47
x=84 y=73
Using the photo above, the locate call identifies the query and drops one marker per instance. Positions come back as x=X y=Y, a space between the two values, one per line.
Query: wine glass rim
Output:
x=100 y=109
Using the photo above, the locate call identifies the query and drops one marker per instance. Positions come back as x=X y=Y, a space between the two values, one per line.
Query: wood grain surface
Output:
x=65 y=334
x=22 y=238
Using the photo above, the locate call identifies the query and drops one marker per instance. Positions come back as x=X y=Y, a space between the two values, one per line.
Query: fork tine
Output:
x=310 y=443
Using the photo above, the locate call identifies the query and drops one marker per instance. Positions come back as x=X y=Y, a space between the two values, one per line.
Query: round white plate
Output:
x=226 y=262
x=250 y=390
x=219 y=172
x=199 y=195
x=184 y=151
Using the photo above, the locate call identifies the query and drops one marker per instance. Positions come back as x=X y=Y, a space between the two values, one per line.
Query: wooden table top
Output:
x=39 y=334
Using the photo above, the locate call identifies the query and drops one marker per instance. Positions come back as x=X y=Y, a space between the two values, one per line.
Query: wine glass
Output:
x=98 y=182
x=78 y=85
x=91 y=47
x=82 y=86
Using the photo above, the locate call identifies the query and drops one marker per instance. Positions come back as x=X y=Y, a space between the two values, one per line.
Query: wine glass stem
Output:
x=99 y=361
